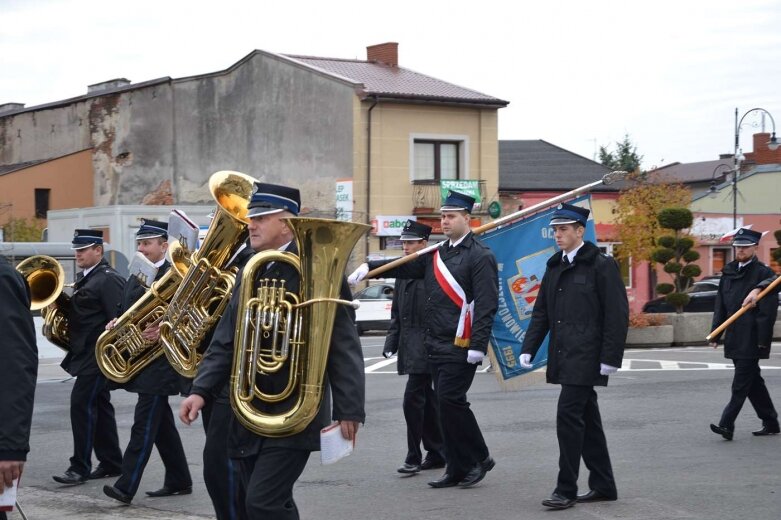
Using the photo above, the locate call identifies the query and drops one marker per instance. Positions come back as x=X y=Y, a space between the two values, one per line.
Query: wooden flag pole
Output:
x=718 y=330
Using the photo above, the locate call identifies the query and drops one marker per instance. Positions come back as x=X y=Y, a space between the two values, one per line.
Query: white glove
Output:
x=387 y=354
x=607 y=370
x=359 y=274
x=526 y=360
x=474 y=356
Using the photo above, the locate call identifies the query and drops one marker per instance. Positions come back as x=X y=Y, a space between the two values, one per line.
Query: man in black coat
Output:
x=582 y=303
x=748 y=339
x=271 y=465
x=220 y=473
x=462 y=287
x=18 y=372
x=153 y=422
x=405 y=338
x=96 y=293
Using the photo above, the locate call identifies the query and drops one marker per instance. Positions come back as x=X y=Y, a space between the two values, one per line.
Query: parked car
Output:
x=375 y=310
x=703 y=298
x=701 y=292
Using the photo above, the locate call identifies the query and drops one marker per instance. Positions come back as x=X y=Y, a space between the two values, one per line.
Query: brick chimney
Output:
x=761 y=153
x=387 y=53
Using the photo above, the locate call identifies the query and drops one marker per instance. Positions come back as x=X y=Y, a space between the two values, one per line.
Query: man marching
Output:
x=462 y=284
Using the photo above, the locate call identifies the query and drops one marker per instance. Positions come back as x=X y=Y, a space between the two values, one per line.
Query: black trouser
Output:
x=93 y=425
x=153 y=424
x=580 y=434
x=220 y=473
x=464 y=443
x=420 y=413
x=748 y=382
x=268 y=479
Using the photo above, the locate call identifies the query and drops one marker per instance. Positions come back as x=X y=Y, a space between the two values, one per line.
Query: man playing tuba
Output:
x=153 y=419
x=270 y=465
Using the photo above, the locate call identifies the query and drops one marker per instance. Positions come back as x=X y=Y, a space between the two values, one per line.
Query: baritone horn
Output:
x=200 y=300
x=46 y=279
x=283 y=329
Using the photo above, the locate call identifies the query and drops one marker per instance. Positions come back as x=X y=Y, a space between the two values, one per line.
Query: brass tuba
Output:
x=122 y=352
x=46 y=279
x=204 y=293
x=277 y=330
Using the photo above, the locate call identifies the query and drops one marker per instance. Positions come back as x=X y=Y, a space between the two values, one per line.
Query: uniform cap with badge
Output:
x=569 y=214
x=83 y=238
x=457 y=201
x=414 y=230
x=746 y=237
x=152 y=229
x=268 y=199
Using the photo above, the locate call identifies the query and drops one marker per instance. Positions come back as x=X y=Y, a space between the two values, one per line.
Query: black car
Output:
x=703 y=298
x=701 y=292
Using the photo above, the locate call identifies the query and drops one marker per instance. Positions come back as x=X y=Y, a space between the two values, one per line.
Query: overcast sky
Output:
x=577 y=73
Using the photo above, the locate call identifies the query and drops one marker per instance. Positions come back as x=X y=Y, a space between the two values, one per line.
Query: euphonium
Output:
x=122 y=352
x=46 y=279
x=205 y=291
x=278 y=331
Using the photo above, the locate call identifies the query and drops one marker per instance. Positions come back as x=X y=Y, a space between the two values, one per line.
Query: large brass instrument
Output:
x=289 y=333
x=46 y=279
x=204 y=293
x=122 y=352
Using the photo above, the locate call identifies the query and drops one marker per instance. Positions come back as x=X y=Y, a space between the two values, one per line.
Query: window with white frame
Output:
x=624 y=264
x=435 y=160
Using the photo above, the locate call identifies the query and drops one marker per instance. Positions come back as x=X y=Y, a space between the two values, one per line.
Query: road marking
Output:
x=380 y=364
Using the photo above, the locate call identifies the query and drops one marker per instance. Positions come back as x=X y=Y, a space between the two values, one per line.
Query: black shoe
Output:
x=557 y=501
x=166 y=491
x=409 y=468
x=727 y=433
x=477 y=473
x=70 y=478
x=116 y=494
x=101 y=472
x=444 y=481
x=430 y=464
x=595 y=496
x=767 y=430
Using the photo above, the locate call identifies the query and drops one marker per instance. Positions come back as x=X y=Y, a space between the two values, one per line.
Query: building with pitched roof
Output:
x=382 y=135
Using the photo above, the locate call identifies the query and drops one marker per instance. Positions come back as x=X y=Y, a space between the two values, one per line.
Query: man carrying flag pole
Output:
x=462 y=285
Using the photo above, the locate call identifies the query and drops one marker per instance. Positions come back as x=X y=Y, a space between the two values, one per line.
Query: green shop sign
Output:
x=471 y=188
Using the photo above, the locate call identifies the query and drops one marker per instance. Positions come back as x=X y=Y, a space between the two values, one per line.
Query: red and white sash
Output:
x=457 y=295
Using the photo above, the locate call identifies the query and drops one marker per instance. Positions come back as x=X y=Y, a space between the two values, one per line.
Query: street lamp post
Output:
x=773 y=144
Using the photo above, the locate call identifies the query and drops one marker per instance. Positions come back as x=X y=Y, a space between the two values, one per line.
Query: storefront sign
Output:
x=389 y=226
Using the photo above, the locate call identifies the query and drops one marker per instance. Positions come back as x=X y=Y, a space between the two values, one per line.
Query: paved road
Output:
x=656 y=413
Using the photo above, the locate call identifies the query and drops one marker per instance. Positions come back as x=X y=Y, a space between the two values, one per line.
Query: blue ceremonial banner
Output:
x=522 y=250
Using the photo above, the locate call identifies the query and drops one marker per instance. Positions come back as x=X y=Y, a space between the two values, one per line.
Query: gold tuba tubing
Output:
x=205 y=291
x=46 y=279
x=279 y=331
x=122 y=352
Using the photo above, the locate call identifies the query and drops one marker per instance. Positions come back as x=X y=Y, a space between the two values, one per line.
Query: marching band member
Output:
x=405 y=337
x=462 y=284
x=97 y=291
x=582 y=303
x=153 y=423
x=271 y=465
x=18 y=371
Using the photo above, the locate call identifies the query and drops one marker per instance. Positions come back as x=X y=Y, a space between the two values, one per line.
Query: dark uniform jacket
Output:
x=473 y=265
x=755 y=327
x=344 y=373
x=407 y=327
x=584 y=307
x=18 y=364
x=93 y=304
x=159 y=377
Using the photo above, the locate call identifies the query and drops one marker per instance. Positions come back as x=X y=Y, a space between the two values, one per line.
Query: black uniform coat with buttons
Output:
x=584 y=307
x=159 y=377
x=344 y=377
x=755 y=327
x=93 y=304
x=473 y=265
x=407 y=328
x=18 y=364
